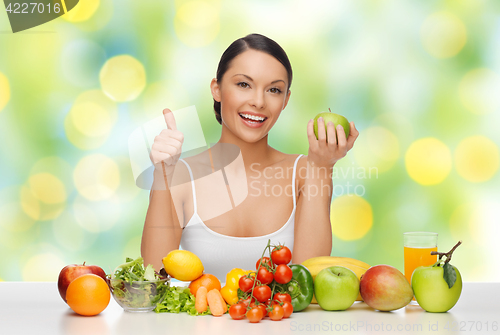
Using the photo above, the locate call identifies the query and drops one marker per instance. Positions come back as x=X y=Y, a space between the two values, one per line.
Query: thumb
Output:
x=169 y=119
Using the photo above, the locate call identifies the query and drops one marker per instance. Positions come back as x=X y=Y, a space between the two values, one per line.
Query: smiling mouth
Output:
x=252 y=118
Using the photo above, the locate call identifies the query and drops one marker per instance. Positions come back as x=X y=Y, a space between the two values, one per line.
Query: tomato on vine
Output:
x=262 y=293
x=265 y=276
x=263 y=307
x=276 y=313
x=282 y=297
x=281 y=255
x=255 y=314
x=238 y=311
x=283 y=274
x=246 y=283
x=263 y=261
x=287 y=308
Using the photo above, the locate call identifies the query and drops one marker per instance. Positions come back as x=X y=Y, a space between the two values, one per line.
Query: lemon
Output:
x=183 y=265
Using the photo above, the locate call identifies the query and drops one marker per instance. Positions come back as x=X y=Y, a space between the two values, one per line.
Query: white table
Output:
x=37 y=308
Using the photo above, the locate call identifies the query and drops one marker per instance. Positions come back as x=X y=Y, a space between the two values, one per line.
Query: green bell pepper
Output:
x=301 y=287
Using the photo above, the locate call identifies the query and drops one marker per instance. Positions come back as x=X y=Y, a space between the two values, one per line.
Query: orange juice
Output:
x=415 y=257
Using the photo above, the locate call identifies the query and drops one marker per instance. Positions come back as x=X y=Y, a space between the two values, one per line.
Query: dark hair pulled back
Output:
x=255 y=42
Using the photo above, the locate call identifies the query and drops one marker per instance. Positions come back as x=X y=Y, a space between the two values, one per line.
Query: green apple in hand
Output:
x=437 y=288
x=336 y=119
x=336 y=288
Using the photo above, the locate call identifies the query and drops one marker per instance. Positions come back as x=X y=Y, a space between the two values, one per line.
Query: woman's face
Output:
x=252 y=93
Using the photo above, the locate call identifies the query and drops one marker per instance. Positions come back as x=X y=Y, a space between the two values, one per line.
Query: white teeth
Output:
x=252 y=117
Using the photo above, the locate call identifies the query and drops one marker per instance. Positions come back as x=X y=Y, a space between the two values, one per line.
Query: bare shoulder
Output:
x=301 y=169
x=195 y=159
x=197 y=163
x=282 y=159
x=288 y=161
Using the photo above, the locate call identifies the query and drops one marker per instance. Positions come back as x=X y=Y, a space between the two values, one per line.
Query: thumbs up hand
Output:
x=167 y=146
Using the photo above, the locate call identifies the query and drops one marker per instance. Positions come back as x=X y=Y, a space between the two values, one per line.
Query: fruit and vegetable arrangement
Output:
x=275 y=289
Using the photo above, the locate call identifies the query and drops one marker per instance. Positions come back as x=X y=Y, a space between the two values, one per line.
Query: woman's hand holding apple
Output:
x=324 y=151
x=167 y=146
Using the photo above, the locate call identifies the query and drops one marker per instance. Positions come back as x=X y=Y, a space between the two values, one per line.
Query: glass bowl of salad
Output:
x=137 y=289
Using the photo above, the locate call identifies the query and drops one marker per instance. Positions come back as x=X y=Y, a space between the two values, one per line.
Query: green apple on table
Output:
x=437 y=288
x=336 y=119
x=336 y=288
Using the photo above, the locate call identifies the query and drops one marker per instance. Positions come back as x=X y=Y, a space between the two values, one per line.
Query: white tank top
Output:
x=221 y=253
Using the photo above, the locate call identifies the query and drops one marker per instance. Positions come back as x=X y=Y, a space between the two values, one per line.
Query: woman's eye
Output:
x=243 y=84
x=275 y=90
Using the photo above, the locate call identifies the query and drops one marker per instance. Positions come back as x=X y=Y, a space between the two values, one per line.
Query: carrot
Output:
x=216 y=302
x=200 y=302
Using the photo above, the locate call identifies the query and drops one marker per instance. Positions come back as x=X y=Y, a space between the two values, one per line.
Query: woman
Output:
x=251 y=90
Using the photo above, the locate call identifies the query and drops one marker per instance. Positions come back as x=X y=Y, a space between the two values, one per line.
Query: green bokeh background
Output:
x=368 y=60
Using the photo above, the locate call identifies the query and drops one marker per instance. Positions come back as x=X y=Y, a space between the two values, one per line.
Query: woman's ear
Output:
x=215 y=88
x=286 y=99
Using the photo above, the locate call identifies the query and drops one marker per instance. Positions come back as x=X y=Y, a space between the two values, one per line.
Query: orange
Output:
x=88 y=295
x=207 y=280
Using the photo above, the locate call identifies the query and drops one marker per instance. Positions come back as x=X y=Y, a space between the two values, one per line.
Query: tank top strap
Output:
x=192 y=185
x=293 y=179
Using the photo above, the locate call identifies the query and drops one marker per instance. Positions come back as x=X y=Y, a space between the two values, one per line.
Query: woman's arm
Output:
x=162 y=231
x=313 y=230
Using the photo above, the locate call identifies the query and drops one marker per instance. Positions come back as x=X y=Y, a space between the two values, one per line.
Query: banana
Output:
x=316 y=264
x=330 y=259
x=316 y=268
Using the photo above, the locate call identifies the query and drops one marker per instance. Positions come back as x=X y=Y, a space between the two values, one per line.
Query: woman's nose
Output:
x=258 y=100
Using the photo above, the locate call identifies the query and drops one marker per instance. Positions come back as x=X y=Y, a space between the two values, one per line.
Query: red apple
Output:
x=384 y=287
x=73 y=271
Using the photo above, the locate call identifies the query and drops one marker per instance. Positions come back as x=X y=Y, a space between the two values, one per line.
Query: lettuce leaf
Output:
x=131 y=270
x=179 y=299
x=149 y=273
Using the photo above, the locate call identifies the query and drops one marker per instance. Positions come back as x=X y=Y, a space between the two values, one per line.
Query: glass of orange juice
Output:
x=417 y=251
